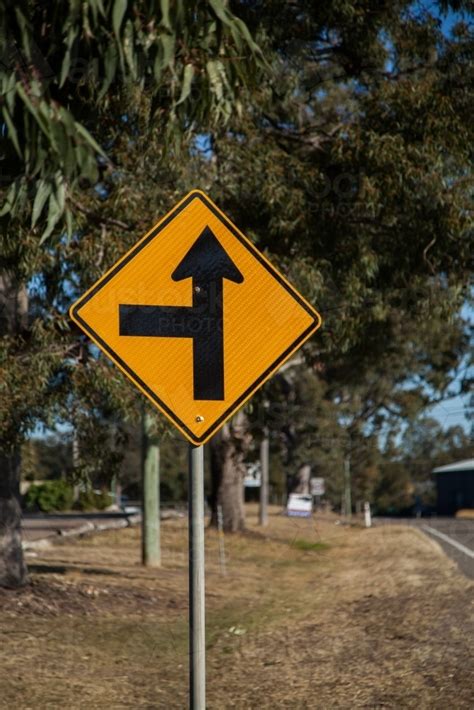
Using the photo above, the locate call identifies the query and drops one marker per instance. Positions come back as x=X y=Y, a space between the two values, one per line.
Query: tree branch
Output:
x=98 y=218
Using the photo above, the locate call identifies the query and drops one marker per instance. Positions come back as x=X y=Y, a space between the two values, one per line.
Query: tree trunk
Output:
x=13 y=320
x=12 y=566
x=300 y=482
x=228 y=449
x=151 y=545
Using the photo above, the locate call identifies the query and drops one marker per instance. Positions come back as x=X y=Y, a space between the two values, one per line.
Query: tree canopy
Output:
x=338 y=137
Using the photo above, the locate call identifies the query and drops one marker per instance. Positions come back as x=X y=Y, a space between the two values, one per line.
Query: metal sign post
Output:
x=197 y=635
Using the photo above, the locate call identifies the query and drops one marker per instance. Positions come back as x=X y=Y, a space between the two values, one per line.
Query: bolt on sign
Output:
x=196 y=317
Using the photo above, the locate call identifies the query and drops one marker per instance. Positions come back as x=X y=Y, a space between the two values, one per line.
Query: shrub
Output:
x=90 y=500
x=308 y=546
x=49 y=496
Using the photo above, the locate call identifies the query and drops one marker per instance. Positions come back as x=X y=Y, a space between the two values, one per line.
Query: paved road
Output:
x=36 y=526
x=42 y=526
x=455 y=536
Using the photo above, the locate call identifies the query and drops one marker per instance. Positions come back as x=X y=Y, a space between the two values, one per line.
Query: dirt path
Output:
x=310 y=615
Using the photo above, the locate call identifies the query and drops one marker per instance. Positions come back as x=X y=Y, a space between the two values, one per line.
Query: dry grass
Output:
x=310 y=615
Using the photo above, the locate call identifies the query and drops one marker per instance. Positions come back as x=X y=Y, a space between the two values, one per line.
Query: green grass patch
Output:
x=308 y=546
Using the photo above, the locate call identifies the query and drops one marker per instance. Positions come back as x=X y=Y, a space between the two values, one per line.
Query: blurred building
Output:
x=455 y=487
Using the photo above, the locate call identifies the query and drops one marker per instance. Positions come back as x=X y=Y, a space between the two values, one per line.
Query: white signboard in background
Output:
x=316 y=486
x=299 y=506
x=253 y=476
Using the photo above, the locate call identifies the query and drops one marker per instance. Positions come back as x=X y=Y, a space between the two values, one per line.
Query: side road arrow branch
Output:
x=207 y=264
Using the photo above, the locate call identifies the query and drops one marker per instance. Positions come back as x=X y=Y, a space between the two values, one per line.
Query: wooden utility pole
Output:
x=347 y=487
x=151 y=548
x=264 y=458
x=264 y=465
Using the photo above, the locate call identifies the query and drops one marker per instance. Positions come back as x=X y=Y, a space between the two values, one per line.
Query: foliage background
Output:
x=338 y=138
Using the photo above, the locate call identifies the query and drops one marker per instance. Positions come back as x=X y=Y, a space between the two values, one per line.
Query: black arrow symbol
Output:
x=207 y=264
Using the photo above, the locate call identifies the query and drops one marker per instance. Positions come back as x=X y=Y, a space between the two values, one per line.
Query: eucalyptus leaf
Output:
x=66 y=65
x=9 y=92
x=187 y=82
x=120 y=7
x=128 y=48
x=9 y=200
x=54 y=215
x=43 y=192
x=82 y=130
x=12 y=132
x=165 y=13
x=110 y=66
x=212 y=68
x=221 y=11
x=168 y=45
x=69 y=223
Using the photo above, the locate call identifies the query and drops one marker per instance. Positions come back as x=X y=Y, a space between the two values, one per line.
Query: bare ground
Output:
x=309 y=615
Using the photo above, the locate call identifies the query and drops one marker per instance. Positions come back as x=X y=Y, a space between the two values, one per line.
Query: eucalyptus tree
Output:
x=352 y=169
x=86 y=85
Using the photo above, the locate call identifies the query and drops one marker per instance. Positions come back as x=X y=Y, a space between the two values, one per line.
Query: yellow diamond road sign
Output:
x=196 y=317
